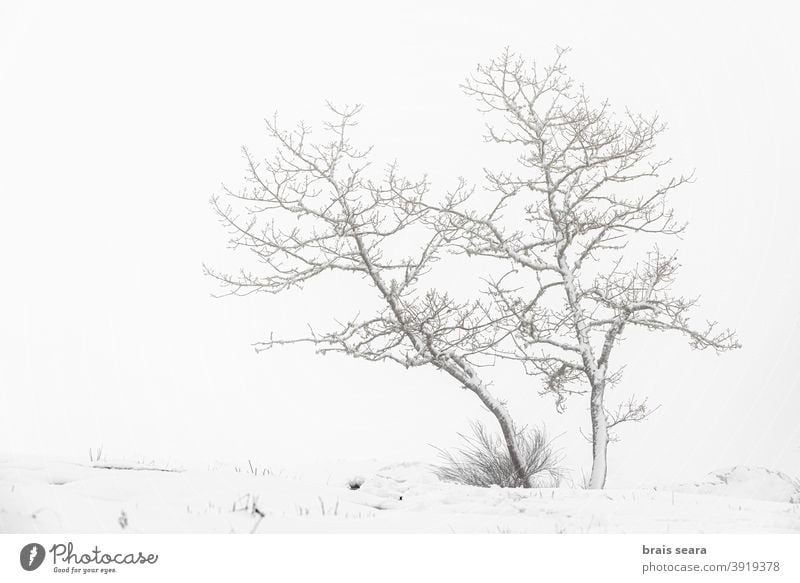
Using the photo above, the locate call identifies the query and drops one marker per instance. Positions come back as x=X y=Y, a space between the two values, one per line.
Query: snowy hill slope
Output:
x=747 y=482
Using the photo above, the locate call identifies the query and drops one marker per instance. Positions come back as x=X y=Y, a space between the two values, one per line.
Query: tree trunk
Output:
x=498 y=409
x=510 y=435
x=597 y=481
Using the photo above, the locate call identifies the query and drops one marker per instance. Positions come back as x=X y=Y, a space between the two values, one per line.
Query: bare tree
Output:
x=311 y=210
x=588 y=189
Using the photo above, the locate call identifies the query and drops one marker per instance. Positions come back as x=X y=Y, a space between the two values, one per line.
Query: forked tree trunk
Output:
x=596 y=378
x=597 y=480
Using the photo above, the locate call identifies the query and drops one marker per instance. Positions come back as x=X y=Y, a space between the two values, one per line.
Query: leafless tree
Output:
x=589 y=191
x=311 y=209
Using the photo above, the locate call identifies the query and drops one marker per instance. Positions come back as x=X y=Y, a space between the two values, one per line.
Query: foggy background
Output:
x=118 y=123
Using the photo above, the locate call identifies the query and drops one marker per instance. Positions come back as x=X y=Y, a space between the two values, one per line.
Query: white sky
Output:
x=117 y=124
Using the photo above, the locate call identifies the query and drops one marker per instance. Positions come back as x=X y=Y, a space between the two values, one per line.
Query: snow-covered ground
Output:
x=55 y=496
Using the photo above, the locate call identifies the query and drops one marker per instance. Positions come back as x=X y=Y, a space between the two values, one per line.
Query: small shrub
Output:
x=483 y=460
x=355 y=483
